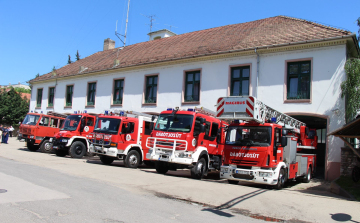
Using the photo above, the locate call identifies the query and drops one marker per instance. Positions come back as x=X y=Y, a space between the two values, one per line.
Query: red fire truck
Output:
x=38 y=128
x=191 y=139
x=72 y=137
x=121 y=135
x=263 y=145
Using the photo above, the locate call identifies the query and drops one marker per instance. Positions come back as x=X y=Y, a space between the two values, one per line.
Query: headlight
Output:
x=120 y=151
x=20 y=134
x=265 y=174
x=31 y=137
x=64 y=140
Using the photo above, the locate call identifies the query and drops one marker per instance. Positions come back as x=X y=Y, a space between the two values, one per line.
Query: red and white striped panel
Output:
x=220 y=107
x=250 y=106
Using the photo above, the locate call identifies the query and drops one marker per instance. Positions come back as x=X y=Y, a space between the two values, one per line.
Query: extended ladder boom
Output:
x=248 y=108
x=205 y=111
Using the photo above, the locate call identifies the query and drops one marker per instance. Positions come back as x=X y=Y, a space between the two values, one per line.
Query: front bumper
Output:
x=260 y=176
x=170 y=157
x=107 y=151
x=59 y=144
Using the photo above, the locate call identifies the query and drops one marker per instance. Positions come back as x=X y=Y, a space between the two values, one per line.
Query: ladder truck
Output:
x=72 y=137
x=187 y=139
x=264 y=145
x=121 y=135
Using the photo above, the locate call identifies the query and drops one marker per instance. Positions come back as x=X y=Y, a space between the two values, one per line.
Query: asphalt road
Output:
x=46 y=188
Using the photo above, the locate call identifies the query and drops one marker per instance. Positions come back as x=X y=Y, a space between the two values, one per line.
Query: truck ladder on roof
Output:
x=139 y=114
x=248 y=108
x=205 y=111
x=56 y=114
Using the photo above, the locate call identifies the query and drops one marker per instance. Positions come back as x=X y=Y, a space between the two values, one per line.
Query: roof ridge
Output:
x=314 y=23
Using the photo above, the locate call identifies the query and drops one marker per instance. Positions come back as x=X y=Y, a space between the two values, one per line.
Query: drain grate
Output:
x=3 y=191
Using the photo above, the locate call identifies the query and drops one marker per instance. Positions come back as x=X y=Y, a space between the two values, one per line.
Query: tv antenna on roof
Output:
x=127 y=20
x=151 y=17
x=170 y=26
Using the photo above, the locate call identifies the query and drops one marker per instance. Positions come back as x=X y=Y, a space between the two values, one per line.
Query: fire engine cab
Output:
x=192 y=139
x=121 y=135
x=72 y=137
x=263 y=145
x=38 y=128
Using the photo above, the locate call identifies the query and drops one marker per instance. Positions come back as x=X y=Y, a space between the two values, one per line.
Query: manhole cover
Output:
x=3 y=191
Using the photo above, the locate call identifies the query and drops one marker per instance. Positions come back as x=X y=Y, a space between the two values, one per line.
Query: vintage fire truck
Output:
x=192 y=139
x=37 y=129
x=72 y=137
x=121 y=136
x=263 y=145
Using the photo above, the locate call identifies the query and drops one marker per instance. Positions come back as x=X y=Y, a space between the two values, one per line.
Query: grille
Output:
x=167 y=144
x=243 y=176
x=244 y=162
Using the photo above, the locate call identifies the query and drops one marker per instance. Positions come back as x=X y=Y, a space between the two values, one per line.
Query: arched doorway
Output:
x=320 y=123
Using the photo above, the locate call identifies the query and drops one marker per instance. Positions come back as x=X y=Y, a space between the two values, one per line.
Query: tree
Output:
x=77 y=55
x=22 y=90
x=37 y=75
x=69 y=60
x=13 y=107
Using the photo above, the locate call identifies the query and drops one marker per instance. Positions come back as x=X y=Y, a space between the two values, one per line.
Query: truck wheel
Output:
x=161 y=167
x=281 y=180
x=60 y=153
x=106 y=160
x=46 y=146
x=132 y=159
x=197 y=172
x=77 y=150
x=307 y=177
x=32 y=147
x=233 y=181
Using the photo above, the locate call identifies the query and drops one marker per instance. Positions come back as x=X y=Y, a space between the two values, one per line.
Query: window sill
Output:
x=190 y=102
x=90 y=106
x=67 y=106
x=50 y=107
x=298 y=101
x=37 y=107
x=116 y=105
x=149 y=104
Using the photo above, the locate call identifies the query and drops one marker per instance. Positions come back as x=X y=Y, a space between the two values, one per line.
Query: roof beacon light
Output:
x=170 y=109
x=122 y=113
x=237 y=121
x=41 y=112
x=106 y=112
x=191 y=109
x=75 y=112
x=273 y=119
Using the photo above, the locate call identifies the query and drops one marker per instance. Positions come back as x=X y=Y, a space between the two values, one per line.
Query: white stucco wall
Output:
x=327 y=74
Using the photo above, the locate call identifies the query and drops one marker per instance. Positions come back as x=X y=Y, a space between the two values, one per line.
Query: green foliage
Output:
x=358 y=23
x=37 y=75
x=22 y=90
x=77 y=55
x=13 y=107
x=69 y=60
x=350 y=88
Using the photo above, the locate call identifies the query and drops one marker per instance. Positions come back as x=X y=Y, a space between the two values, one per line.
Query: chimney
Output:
x=109 y=44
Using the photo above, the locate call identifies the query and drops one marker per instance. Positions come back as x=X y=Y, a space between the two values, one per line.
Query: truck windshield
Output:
x=107 y=125
x=248 y=136
x=31 y=119
x=174 y=123
x=71 y=123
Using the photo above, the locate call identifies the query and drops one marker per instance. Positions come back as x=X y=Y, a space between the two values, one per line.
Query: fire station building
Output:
x=293 y=65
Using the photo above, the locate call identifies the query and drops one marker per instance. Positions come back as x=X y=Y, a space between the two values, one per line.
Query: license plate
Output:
x=163 y=158
x=51 y=139
x=243 y=172
x=55 y=147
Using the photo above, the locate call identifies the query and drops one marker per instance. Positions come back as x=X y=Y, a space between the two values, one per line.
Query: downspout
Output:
x=257 y=72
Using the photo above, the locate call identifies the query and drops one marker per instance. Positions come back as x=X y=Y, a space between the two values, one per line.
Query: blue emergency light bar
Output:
x=273 y=119
x=236 y=121
x=85 y=111
x=41 y=112
x=106 y=112
x=122 y=113
x=170 y=109
x=191 y=109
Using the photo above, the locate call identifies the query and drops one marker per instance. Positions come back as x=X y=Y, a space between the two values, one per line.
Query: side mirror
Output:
x=202 y=128
x=202 y=120
x=152 y=126
x=283 y=141
x=284 y=132
x=153 y=118
x=307 y=131
x=82 y=125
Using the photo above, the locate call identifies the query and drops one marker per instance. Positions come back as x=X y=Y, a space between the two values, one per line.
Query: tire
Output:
x=132 y=159
x=46 y=147
x=161 y=167
x=32 y=147
x=60 y=152
x=198 y=171
x=307 y=177
x=106 y=160
x=355 y=174
x=281 y=179
x=77 y=150
x=233 y=181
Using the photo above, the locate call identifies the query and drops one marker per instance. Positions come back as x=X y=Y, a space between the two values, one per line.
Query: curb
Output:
x=336 y=189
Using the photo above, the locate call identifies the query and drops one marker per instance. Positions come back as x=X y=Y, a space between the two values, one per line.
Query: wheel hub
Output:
x=78 y=150
x=48 y=146
x=133 y=159
x=199 y=167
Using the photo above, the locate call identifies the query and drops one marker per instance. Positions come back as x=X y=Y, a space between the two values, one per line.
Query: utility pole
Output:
x=127 y=20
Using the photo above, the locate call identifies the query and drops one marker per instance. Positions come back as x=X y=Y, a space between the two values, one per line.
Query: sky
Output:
x=37 y=35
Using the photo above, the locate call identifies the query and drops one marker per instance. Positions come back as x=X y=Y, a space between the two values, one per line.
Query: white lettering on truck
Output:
x=167 y=134
x=245 y=155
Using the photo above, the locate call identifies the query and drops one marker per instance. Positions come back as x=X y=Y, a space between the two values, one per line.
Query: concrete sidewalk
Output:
x=300 y=202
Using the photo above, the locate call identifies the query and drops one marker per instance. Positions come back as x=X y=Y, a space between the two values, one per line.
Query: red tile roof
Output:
x=265 y=32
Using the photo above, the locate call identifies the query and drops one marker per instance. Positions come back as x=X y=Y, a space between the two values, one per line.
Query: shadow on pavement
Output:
x=342 y=217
